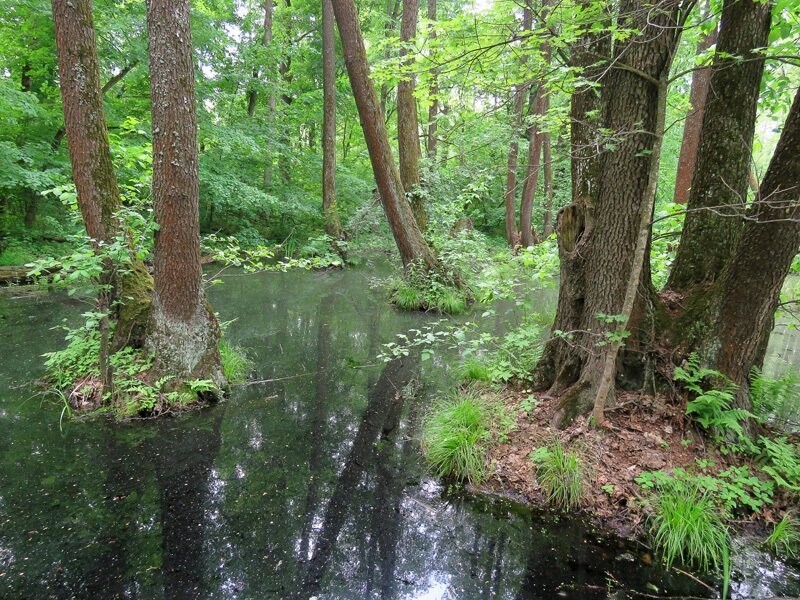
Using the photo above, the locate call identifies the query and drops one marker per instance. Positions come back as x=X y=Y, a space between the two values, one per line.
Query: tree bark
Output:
x=599 y=231
x=512 y=235
x=750 y=287
x=183 y=331
x=407 y=119
x=92 y=167
x=719 y=184
x=407 y=235
x=693 y=123
x=333 y=226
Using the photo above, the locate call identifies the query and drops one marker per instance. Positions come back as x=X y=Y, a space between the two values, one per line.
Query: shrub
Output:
x=560 y=473
x=423 y=289
x=454 y=438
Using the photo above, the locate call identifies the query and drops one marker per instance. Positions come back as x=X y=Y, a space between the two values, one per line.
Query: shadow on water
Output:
x=306 y=484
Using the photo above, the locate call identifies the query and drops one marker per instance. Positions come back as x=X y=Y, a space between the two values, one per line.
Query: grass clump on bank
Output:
x=560 y=472
x=687 y=526
x=423 y=289
x=235 y=364
x=785 y=537
x=455 y=437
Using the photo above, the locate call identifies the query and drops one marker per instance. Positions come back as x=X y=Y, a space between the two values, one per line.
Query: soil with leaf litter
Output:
x=640 y=434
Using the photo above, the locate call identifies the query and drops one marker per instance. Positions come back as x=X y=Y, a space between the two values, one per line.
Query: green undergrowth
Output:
x=784 y=540
x=460 y=429
x=561 y=473
x=73 y=374
x=691 y=510
x=429 y=290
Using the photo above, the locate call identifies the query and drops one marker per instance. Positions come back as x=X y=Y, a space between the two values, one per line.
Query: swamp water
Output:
x=309 y=484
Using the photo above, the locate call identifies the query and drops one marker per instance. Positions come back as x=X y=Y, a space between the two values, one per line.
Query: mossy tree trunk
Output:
x=92 y=168
x=720 y=181
x=183 y=333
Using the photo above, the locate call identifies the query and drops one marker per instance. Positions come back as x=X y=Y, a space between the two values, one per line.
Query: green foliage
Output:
x=560 y=472
x=711 y=407
x=780 y=459
x=516 y=354
x=776 y=400
x=235 y=363
x=687 y=526
x=424 y=289
x=784 y=540
x=474 y=370
x=455 y=437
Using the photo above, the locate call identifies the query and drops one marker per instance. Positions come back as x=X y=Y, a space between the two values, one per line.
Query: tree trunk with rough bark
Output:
x=92 y=167
x=183 y=333
x=719 y=185
x=598 y=233
x=407 y=119
x=407 y=235
x=333 y=226
x=750 y=286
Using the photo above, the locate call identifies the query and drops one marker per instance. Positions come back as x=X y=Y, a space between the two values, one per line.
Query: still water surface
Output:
x=309 y=484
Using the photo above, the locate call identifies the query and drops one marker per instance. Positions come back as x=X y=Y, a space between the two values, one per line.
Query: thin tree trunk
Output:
x=407 y=119
x=528 y=235
x=512 y=235
x=332 y=225
x=693 y=124
x=547 y=159
x=719 y=184
x=409 y=240
x=433 y=109
x=268 y=12
x=183 y=333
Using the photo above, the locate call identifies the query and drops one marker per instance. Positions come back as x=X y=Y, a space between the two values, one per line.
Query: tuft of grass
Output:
x=687 y=526
x=454 y=438
x=475 y=370
x=235 y=364
x=407 y=297
x=561 y=473
x=785 y=537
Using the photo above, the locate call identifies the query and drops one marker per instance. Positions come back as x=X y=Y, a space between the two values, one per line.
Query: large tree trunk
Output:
x=92 y=168
x=512 y=235
x=600 y=242
x=407 y=236
x=407 y=120
x=333 y=227
x=719 y=184
x=749 y=288
x=693 y=123
x=183 y=332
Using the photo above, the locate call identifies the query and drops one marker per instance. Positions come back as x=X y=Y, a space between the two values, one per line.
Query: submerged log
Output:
x=19 y=275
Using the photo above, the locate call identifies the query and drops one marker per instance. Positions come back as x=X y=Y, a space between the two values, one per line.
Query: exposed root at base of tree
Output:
x=641 y=433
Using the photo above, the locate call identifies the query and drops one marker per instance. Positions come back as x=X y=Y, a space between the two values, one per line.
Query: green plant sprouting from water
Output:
x=561 y=474
x=425 y=289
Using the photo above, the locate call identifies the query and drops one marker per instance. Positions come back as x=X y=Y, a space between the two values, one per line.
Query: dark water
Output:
x=307 y=486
